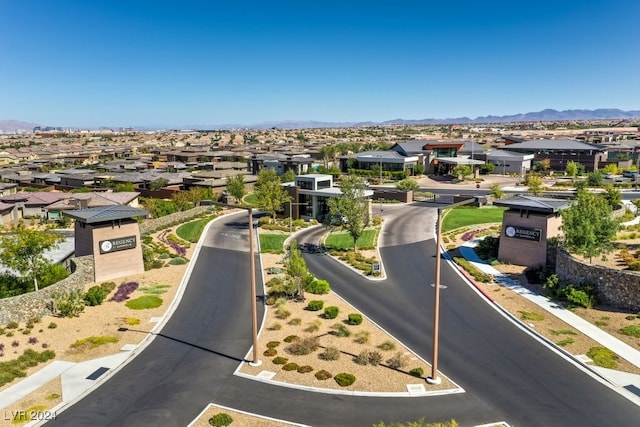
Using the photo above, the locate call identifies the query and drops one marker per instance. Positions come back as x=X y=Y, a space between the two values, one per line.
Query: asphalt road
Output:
x=507 y=374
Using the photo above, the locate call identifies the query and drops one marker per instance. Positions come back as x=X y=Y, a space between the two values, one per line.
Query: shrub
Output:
x=304 y=369
x=291 y=338
x=417 y=372
x=295 y=322
x=315 y=305
x=398 y=361
x=579 y=296
x=270 y=352
x=282 y=313
x=177 y=261
x=52 y=325
x=323 y=375
x=144 y=302
x=68 y=305
x=387 y=346
x=95 y=296
x=313 y=326
x=220 y=420
x=631 y=330
x=275 y=326
x=108 y=287
x=33 y=340
x=375 y=358
x=304 y=346
x=526 y=315
x=291 y=366
x=124 y=291
x=131 y=321
x=94 y=341
x=318 y=287
x=13 y=325
x=345 y=380
x=565 y=342
x=280 y=360
x=603 y=357
x=354 y=319
x=341 y=330
x=331 y=312
x=273 y=344
x=362 y=358
x=330 y=353
x=362 y=337
x=26 y=332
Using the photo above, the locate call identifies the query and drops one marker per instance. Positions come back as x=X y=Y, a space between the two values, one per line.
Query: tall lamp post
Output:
x=434 y=378
x=254 y=309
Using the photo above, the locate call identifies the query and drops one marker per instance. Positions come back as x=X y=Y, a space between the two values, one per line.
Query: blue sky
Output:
x=94 y=63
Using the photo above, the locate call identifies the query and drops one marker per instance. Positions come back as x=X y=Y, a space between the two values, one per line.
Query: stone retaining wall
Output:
x=615 y=288
x=150 y=225
x=21 y=308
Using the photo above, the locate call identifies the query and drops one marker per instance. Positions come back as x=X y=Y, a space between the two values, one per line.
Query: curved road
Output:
x=507 y=375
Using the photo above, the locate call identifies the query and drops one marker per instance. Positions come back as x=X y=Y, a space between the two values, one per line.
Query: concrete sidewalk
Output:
x=628 y=381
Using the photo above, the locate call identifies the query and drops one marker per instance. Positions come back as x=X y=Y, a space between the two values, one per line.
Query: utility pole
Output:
x=254 y=309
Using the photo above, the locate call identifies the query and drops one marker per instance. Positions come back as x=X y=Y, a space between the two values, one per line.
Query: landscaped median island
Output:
x=324 y=342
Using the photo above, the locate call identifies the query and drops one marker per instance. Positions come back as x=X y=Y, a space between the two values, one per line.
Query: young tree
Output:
x=612 y=195
x=351 y=207
x=588 y=227
x=543 y=165
x=270 y=194
x=534 y=182
x=288 y=176
x=572 y=168
x=462 y=171
x=496 y=191
x=407 y=184
x=236 y=187
x=296 y=267
x=23 y=250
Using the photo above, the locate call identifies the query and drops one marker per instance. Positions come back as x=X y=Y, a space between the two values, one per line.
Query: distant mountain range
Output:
x=548 y=115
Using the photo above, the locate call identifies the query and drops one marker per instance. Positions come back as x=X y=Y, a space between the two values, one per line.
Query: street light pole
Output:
x=434 y=378
x=254 y=309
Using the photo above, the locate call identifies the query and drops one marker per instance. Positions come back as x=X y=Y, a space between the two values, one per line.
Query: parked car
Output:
x=630 y=174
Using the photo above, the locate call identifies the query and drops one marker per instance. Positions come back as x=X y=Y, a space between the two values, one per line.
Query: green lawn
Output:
x=251 y=199
x=191 y=231
x=272 y=242
x=461 y=217
x=343 y=240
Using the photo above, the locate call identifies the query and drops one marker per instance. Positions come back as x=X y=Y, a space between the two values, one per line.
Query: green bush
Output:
x=344 y=379
x=13 y=325
x=304 y=369
x=95 y=296
x=417 y=372
x=144 y=302
x=68 y=305
x=315 y=305
x=354 y=319
x=108 y=287
x=323 y=375
x=603 y=357
x=341 y=330
x=270 y=352
x=220 y=420
x=280 y=360
x=273 y=344
x=331 y=312
x=291 y=366
x=631 y=331
x=178 y=261
x=318 y=287
x=362 y=337
x=291 y=338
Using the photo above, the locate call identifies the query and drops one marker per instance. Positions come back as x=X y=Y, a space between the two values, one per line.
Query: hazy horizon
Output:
x=166 y=64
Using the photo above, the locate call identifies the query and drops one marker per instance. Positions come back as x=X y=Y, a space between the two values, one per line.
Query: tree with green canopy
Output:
x=351 y=207
x=270 y=194
x=589 y=229
x=23 y=249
